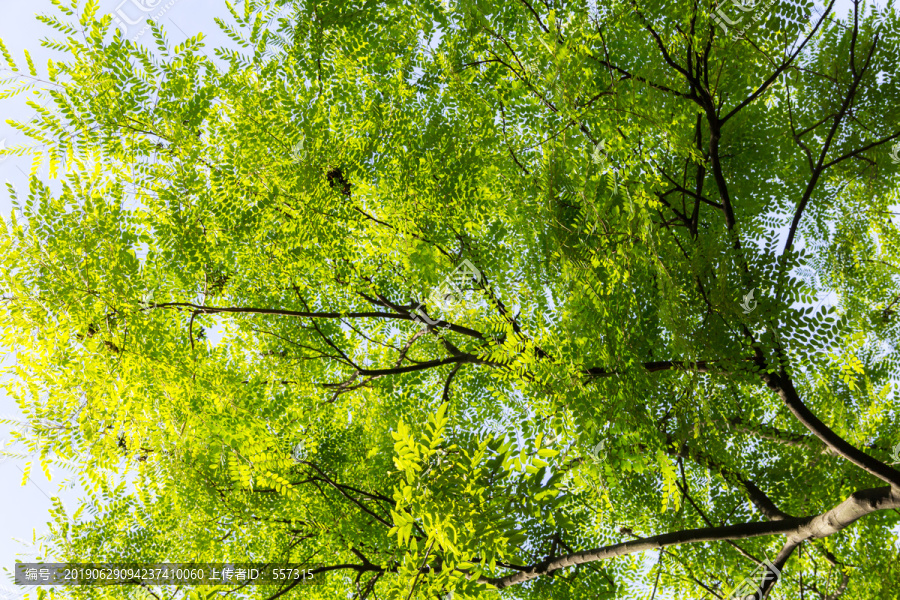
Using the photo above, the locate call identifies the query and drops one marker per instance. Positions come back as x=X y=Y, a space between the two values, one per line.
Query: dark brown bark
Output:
x=784 y=387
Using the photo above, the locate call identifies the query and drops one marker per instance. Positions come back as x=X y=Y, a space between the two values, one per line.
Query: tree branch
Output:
x=784 y=387
x=814 y=179
x=313 y=315
x=858 y=505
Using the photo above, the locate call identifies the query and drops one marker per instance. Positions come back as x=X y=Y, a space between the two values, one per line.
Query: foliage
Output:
x=216 y=329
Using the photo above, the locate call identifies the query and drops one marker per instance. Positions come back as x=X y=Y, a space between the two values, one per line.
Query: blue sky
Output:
x=24 y=509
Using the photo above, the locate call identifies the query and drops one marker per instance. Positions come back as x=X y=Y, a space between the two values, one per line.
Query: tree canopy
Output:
x=527 y=299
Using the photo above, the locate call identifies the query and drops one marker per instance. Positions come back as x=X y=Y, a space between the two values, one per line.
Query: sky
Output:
x=24 y=508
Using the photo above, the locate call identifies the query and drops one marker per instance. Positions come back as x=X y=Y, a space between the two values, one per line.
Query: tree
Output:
x=360 y=198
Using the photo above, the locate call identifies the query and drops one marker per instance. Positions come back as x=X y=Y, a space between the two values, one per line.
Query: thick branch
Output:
x=858 y=505
x=784 y=387
x=769 y=583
